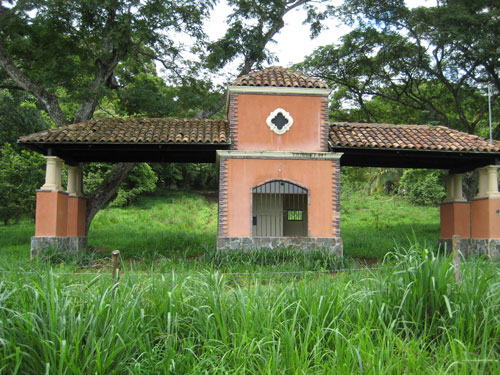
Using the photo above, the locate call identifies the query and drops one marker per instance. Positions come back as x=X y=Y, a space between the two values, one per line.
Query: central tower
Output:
x=279 y=185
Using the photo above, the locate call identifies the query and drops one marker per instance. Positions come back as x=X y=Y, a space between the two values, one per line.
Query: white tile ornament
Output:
x=279 y=121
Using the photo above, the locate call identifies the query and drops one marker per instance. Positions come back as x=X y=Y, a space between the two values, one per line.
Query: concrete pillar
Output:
x=76 y=204
x=457 y=189
x=488 y=182
x=455 y=210
x=450 y=188
x=60 y=215
x=74 y=181
x=454 y=191
x=52 y=174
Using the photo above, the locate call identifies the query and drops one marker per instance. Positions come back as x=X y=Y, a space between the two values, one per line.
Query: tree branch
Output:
x=50 y=101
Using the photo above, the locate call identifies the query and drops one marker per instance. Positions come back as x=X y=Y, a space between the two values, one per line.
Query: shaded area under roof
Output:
x=197 y=140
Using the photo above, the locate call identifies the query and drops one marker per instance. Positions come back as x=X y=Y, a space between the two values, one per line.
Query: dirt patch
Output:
x=210 y=196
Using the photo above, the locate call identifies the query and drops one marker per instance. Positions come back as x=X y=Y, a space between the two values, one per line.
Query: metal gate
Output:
x=279 y=209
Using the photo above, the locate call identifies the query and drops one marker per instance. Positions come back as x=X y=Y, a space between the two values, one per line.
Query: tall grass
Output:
x=410 y=317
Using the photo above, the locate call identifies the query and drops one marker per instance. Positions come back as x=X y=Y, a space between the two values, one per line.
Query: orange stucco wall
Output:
x=59 y=215
x=455 y=219
x=254 y=134
x=315 y=175
x=485 y=222
x=51 y=214
x=76 y=216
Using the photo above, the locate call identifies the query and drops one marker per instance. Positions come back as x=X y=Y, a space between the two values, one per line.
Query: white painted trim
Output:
x=270 y=90
x=273 y=127
x=279 y=155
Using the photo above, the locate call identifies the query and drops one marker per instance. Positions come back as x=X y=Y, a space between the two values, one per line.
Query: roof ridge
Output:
x=278 y=76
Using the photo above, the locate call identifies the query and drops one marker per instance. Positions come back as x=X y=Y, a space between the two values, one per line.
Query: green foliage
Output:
x=419 y=65
x=378 y=180
x=148 y=95
x=313 y=260
x=422 y=186
x=253 y=24
x=354 y=178
x=141 y=180
x=70 y=47
x=187 y=175
x=19 y=116
x=21 y=173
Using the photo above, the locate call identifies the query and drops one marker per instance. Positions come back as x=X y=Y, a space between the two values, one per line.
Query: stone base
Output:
x=303 y=243
x=38 y=244
x=476 y=246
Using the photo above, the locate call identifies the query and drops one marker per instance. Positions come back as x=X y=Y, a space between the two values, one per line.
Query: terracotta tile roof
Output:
x=137 y=130
x=277 y=76
x=407 y=137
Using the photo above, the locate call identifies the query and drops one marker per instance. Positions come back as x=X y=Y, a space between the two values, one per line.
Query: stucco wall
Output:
x=455 y=219
x=485 y=218
x=251 y=132
x=320 y=177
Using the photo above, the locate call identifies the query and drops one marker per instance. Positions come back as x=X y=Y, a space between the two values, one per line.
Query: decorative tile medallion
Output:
x=279 y=121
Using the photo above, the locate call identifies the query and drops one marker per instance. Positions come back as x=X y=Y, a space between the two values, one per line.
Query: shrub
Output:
x=21 y=173
x=422 y=187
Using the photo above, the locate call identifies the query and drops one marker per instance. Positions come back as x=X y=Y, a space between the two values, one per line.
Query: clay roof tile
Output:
x=135 y=130
x=277 y=76
x=413 y=137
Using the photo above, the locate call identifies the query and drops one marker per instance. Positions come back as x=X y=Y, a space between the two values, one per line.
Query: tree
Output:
x=21 y=173
x=420 y=58
x=71 y=51
x=253 y=24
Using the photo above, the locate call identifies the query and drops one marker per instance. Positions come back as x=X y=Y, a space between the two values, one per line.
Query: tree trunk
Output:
x=106 y=190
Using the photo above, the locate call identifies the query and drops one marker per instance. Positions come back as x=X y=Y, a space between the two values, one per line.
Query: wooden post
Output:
x=457 y=257
x=115 y=266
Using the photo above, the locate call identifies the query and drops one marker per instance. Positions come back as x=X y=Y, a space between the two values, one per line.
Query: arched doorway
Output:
x=279 y=209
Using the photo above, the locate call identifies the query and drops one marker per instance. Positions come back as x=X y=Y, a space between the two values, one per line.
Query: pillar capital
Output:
x=488 y=182
x=52 y=174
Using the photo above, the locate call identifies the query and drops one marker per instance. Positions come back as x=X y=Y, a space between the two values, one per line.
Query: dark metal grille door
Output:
x=279 y=209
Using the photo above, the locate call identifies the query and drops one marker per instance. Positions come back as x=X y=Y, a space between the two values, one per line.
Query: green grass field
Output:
x=182 y=226
x=180 y=307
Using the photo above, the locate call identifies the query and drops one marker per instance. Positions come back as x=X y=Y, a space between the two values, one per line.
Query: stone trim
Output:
x=476 y=246
x=223 y=197
x=324 y=125
x=39 y=244
x=302 y=243
x=233 y=120
x=288 y=155
x=273 y=90
x=336 y=198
